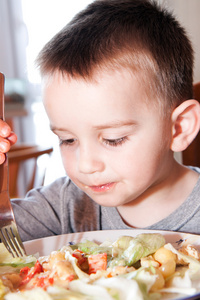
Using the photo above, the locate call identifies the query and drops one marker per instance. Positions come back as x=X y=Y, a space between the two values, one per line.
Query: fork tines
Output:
x=10 y=237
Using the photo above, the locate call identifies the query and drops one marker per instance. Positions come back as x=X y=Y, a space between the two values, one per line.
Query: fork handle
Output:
x=2 y=80
x=4 y=167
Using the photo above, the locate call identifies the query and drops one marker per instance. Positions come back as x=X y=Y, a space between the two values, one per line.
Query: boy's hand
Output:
x=7 y=139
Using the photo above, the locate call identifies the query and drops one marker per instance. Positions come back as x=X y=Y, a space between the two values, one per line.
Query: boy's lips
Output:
x=100 y=188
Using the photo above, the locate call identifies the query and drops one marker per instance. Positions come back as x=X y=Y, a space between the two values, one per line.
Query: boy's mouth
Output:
x=100 y=188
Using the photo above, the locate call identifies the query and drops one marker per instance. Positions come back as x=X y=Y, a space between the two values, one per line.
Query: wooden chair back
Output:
x=22 y=157
x=191 y=156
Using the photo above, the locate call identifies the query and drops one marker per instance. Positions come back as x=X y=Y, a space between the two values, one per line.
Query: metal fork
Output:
x=9 y=234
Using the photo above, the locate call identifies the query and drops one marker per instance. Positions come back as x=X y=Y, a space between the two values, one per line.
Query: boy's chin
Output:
x=107 y=200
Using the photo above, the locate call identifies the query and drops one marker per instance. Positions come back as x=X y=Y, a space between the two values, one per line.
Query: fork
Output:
x=9 y=234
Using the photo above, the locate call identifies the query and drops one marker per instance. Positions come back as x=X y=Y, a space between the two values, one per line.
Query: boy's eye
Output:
x=110 y=142
x=115 y=142
x=68 y=142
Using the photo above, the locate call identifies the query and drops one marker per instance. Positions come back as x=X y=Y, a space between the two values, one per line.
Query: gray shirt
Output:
x=62 y=208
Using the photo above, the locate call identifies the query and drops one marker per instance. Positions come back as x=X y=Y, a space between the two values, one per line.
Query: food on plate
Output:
x=141 y=267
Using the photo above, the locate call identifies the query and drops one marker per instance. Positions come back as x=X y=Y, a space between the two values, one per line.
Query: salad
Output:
x=141 y=267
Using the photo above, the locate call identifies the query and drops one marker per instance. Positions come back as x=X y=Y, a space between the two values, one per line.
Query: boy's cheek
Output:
x=68 y=163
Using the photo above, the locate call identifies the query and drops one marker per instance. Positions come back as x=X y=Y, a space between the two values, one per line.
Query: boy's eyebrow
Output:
x=53 y=128
x=116 y=124
x=104 y=126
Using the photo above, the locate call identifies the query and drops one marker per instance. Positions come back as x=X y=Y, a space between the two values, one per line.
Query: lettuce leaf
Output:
x=52 y=293
x=135 y=248
x=109 y=289
x=8 y=263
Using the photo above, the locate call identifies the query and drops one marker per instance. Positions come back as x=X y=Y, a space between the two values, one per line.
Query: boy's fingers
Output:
x=12 y=138
x=2 y=158
x=4 y=129
x=4 y=145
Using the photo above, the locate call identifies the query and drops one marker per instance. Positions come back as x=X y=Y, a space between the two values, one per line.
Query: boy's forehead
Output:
x=102 y=85
x=99 y=77
x=118 y=91
x=106 y=82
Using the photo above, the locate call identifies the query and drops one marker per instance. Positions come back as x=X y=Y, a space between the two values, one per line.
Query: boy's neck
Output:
x=158 y=203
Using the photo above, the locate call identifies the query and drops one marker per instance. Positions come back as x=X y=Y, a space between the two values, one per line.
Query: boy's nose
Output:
x=89 y=161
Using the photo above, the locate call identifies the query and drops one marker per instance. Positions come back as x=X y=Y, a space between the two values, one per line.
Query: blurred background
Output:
x=25 y=26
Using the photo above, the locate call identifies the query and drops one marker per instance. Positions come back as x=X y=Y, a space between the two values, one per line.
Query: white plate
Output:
x=46 y=245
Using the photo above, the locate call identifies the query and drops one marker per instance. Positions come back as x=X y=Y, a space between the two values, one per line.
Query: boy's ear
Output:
x=185 y=124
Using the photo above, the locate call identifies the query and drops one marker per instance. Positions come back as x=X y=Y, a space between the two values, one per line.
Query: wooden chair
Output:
x=23 y=161
x=191 y=156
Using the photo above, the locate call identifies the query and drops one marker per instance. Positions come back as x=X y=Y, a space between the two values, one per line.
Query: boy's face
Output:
x=114 y=146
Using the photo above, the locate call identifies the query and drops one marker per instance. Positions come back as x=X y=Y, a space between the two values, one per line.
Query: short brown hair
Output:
x=136 y=34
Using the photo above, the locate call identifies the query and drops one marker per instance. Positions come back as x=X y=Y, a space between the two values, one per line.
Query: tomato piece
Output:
x=40 y=282
x=51 y=281
x=28 y=273
x=97 y=262
x=24 y=271
x=43 y=282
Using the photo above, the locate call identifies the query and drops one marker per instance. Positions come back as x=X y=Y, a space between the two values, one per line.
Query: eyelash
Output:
x=110 y=142
x=68 y=142
x=115 y=142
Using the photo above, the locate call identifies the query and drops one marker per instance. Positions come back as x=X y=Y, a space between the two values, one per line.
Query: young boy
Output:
x=118 y=93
